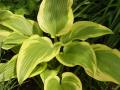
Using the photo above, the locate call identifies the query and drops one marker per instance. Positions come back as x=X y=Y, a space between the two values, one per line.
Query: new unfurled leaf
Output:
x=4 y=32
x=39 y=69
x=108 y=64
x=55 y=16
x=8 y=70
x=83 y=30
x=69 y=81
x=78 y=53
x=34 y=51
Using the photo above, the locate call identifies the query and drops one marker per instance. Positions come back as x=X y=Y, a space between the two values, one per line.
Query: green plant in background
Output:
x=34 y=51
x=8 y=85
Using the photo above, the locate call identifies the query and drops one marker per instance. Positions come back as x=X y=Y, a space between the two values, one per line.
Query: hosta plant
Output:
x=55 y=37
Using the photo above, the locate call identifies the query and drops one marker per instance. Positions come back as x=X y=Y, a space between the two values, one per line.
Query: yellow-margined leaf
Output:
x=13 y=40
x=8 y=70
x=55 y=16
x=83 y=30
x=34 y=51
x=44 y=75
x=78 y=53
x=39 y=69
x=18 y=23
x=108 y=64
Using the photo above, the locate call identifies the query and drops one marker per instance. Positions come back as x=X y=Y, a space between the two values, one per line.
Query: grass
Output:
x=9 y=85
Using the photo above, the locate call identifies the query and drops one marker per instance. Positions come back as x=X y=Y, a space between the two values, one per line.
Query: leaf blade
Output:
x=78 y=53
x=13 y=40
x=8 y=70
x=83 y=30
x=108 y=64
x=55 y=16
x=34 y=51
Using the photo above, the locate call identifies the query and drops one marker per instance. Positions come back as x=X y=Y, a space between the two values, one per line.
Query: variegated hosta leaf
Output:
x=5 y=14
x=78 y=53
x=34 y=51
x=4 y=32
x=17 y=23
x=69 y=81
x=108 y=64
x=55 y=16
x=12 y=40
x=39 y=69
x=83 y=30
x=8 y=70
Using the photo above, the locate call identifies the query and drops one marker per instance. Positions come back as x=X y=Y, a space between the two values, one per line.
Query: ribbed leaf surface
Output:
x=4 y=32
x=12 y=40
x=34 y=51
x=55 y=16
x=18 y=23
